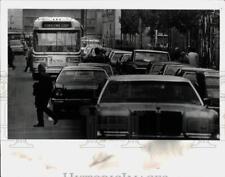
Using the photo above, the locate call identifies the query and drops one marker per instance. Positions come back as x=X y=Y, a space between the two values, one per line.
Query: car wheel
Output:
x=56 y=110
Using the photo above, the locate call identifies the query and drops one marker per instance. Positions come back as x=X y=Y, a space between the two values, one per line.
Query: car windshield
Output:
x=116 y=56
x=71 y=76
x=125 y=58
x=17 y=36
x=191 y=76
x=212 y=87
x=151 y=56
x=156 y=69
x=107 y=68
x=15 y=42
x=171 y=69
x=56 y=41
x=149 y=92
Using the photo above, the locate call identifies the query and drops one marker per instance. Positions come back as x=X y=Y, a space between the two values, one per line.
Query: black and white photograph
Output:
x=112 y=88
x=146 y=74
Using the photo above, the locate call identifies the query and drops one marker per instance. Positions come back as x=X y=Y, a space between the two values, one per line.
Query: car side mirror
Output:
x=206 y=101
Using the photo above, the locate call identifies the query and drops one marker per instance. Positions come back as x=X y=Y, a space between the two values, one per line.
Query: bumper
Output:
x=126 y=134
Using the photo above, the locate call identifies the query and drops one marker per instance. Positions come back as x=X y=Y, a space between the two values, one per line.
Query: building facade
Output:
x=111 y=28
x=23 y=19
x=15 y=20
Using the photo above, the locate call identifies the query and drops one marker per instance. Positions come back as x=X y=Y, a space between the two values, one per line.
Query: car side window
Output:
x=192 y=76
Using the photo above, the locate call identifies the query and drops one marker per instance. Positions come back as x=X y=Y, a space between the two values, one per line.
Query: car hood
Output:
x=127 y=108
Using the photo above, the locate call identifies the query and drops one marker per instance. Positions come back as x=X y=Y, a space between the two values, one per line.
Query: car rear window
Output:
x=15 y=42
x=81 y=75
x=171 y=69
x=192 y=76
x=156 y=69
x=151 y=56
x=116 y=57
x=150 y=92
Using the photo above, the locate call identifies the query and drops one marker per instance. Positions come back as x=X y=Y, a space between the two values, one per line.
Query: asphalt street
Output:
x=22 y=111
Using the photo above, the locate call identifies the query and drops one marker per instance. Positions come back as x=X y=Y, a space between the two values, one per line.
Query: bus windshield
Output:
x=56 y=41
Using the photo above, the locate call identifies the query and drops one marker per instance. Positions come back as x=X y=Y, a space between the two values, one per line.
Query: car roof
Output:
x=94 y=64
x=168 y=63
x=153 y=51
x=185 y=68
x=121 y=51
x=142 y=77
x=82 y=68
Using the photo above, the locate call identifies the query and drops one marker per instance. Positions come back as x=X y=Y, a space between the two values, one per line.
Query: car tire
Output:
x=56 y=110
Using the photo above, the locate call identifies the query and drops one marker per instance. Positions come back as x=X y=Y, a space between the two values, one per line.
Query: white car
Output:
x=16 y=46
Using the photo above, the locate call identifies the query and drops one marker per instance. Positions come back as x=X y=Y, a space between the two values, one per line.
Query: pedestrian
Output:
x=29 y=59
x=176 y=54
x=99 y=56
x=183 y=57
x=10 y=58
x=42 y=91
x=193 y=57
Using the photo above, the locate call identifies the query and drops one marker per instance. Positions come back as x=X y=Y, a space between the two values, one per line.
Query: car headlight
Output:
x=58 y=93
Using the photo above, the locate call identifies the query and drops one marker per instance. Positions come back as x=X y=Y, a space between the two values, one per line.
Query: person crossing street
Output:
x=42 y=91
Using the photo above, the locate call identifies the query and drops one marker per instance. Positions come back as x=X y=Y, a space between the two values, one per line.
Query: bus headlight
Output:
x=72 y=59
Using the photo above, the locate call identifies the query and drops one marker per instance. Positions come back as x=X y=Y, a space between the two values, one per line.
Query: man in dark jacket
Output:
x=10 y=57
x=29 y=59
x=99 y=57
x=42 y=91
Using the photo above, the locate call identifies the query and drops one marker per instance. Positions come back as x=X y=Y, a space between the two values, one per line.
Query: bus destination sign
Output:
x=56 y=25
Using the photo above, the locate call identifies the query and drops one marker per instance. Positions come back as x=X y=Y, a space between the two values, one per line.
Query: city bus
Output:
x=57 y=43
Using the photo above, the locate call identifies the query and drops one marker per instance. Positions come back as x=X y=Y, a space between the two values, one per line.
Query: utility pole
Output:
x=82 y=20
x=140 y=31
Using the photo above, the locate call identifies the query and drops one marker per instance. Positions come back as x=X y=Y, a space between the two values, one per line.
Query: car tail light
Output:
x=72 y=59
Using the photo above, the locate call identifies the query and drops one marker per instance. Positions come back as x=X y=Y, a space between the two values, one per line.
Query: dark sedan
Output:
x=149 y=107
x=77 y=86
x=104 y=66
x=141 y=60
x=165 y=68
x=206 y=82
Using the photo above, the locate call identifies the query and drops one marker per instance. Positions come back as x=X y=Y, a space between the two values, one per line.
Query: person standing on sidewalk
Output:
x=29 y=59
x=193 y=57
x=10 y=58
x=42 y=91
